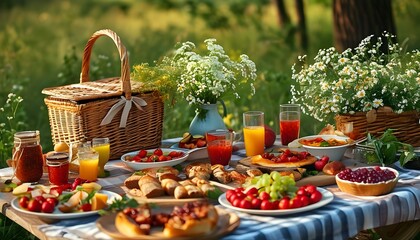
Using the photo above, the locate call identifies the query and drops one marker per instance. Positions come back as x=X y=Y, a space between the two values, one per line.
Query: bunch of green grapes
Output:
x=276 y=185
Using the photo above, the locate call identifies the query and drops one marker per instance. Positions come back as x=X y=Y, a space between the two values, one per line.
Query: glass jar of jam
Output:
x=58 y=168
x=27 y=156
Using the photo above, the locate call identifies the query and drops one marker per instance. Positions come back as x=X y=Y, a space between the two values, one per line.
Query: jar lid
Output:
x=57 y=156
x=25 y=135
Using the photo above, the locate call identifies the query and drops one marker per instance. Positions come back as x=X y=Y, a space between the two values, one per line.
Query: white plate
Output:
x=142 y=165
x=327 y=197
x=57 y=214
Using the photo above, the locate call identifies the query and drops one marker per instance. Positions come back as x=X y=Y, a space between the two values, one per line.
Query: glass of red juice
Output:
x=219 y=146
x=289 y=122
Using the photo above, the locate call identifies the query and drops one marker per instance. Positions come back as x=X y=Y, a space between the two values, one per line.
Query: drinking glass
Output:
x=254 y=132
x=88 y=163
x=102 y=146
x=289 y=123
x=219 y=146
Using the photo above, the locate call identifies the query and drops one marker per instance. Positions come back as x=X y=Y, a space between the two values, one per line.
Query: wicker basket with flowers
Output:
x=374 y=89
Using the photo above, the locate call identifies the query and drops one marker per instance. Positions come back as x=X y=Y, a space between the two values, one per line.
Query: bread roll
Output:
x=334 y=167
x=193 y=191
x=132 y=181
x=200 y=170
x=206 y=188
x=169 y=186
x=180 y=192
x=220 y=174
x=187 y=182
x=150 y=187
x=238 y=177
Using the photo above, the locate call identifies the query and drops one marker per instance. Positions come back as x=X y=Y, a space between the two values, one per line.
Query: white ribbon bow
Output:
x=138 y=102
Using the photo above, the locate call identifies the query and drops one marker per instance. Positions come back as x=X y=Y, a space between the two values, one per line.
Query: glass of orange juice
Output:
x=88 y=163
x=102 y=146
x=254 y=132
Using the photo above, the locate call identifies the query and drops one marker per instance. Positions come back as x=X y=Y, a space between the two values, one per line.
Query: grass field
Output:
x=41 y=44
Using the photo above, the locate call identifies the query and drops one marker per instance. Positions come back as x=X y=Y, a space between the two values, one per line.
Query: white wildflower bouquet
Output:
x=209 y=78
x=200 y=79
x=358 y=80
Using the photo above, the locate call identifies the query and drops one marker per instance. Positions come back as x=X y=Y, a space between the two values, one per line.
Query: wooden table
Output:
x=343 y=218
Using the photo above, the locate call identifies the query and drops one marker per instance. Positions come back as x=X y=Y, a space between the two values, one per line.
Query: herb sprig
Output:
x=119 y=205
x=386 y=148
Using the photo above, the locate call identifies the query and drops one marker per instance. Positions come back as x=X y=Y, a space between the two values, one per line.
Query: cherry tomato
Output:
x=34 y=205
x=142 y=153
x=304 y=199
x=77 y=182
x=266 y=205
x=56 y=191
x=315 y=197
x=310 y=189
x=47 y=207
x=295 y=203
x=153 y=158
x=252 y=192
x=23 y=202
x=232 y=198
x=237 y=202
x=284 y=203
x=53 y=201
x=241 y=195
x=239 y=189
x=264 y=196
x=245 y=203
x=229 y=193
x=86 y=207
x=158 y=152
x=40 y=199
x=301 y=192
x=173 y=154
x=136 y=158
x=162 y=158
x=256 y=203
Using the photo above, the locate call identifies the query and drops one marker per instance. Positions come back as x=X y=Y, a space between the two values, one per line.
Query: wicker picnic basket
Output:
x=406 y=125
x=106 y=108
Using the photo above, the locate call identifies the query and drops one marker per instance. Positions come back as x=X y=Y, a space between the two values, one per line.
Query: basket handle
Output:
x=125 y=69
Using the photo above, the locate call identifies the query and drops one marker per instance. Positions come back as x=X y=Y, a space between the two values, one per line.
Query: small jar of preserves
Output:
x=58 y=168
x=27 y=156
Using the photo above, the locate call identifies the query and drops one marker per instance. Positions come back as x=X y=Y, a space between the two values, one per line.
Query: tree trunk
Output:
x=354 y=20
x=301 y=25
x=284 y=18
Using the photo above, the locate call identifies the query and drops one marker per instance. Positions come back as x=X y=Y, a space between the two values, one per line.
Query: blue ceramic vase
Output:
x=212 y=121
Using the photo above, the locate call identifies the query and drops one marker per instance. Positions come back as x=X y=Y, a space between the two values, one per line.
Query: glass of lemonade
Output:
x=102 y=146
x=254 y=132
x=88 y=162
